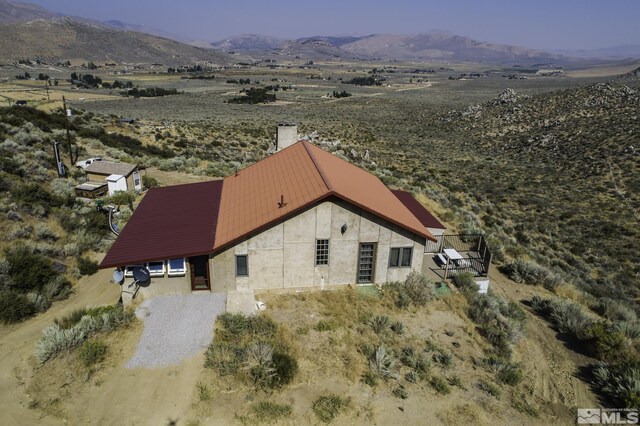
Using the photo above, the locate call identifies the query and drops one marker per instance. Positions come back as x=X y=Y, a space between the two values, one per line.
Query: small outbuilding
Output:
x=119 y=176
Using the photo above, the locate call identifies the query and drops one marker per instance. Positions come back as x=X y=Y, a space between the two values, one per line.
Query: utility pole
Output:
x=46 y=86
x=66 y=125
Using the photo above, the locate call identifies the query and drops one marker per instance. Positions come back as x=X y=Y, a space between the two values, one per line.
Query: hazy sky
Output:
x=553 y=24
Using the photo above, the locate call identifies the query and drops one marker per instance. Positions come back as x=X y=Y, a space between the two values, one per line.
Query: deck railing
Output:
x=476 y=256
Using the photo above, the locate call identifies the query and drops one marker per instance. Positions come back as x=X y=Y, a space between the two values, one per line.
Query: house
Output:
x=425 y=217
x=119 y=176
x=300 y=218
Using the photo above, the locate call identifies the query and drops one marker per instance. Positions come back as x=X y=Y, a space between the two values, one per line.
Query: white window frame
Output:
x=179 y=271
x=156 y=273
x=136 y=176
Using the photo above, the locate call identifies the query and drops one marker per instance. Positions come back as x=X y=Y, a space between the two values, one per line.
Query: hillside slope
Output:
x=65 y=39
x=13 y=12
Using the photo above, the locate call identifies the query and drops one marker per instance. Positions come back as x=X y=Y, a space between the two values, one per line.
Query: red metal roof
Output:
x=301 y=175
x=170 y=222
x=418 y=210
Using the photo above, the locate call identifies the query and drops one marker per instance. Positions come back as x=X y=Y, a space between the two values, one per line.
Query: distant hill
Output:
x=425 y=46
x=249 y=43
x=67 y=39
x=13 y=12
x=447 y=46
x=615 y=52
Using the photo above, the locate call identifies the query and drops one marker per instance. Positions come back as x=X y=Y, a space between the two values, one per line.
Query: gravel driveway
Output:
x=176 y=328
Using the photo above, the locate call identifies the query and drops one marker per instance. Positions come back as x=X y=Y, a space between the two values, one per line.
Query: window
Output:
x=400 y=257
x=136 y=179
x=156 y=269
x=322 y=252
x=176 y=266
x=242 y=268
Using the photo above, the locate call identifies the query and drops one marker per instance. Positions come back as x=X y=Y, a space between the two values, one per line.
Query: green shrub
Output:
x=380 y=323
x=29 y=271
x=323 y=325
x=615 y=310
x=397 y=327
x=528 y=272
x=619 y=383
x=92 y=352
x=58 y=288
x=223 y=357
x=444 y=359
x=419 y=289
x=511 y=374
x=605 y=341
x=204 y=391
x=327 y=407
x=149 y=182
x=440 y=385
x=15 y=307
x=285 y=367
x=465 y=281
x=87 y=266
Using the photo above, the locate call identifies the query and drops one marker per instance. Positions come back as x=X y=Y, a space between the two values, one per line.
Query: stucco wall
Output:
x=284 y=255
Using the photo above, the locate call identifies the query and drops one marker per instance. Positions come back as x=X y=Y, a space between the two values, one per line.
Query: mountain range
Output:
x=28 y=31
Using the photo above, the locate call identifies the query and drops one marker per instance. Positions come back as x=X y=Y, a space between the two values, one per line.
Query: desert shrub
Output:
x=455 y=381
x=270 y=412
x=465 y=281
x=236 y=327
x=285 y=367
x=400 y=392
x=43 y=232
x=440 y=385
x=500 y=323
x=419 y=289
x=14 y=306
x=92 y=352
x=223 y=357
x=412 y=377
x=528 y=272
x=149 y=182
x=56 y=339
x=619 y=383
x=35 y=199
x=508 y=373
x=397 y=327
x=416 y=290
x=444 y=359
x=29 y=271
x=606 y=342
x=40 y=302
x=380 y=323
x=489 y=388
x=87 y=266
x=204 y=391
x=615 y=310
x=630 y=330
x=58 y=288
x=566 y=316
x=381 y=362
x=327 y=407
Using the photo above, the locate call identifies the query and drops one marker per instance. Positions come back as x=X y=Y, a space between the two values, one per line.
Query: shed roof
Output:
x=110 y=168
x=418 y=210
x=174 y=221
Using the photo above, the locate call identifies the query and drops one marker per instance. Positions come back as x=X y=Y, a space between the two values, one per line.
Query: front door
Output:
x=366 y=263
x=199 y=268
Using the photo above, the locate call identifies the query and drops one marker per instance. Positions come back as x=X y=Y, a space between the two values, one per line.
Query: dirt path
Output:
x=552 y=368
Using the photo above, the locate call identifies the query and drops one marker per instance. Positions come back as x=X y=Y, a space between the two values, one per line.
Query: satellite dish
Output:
x=118 y=276
x=141 y=274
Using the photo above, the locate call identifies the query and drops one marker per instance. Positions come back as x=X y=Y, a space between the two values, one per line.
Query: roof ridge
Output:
x=323 y=175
